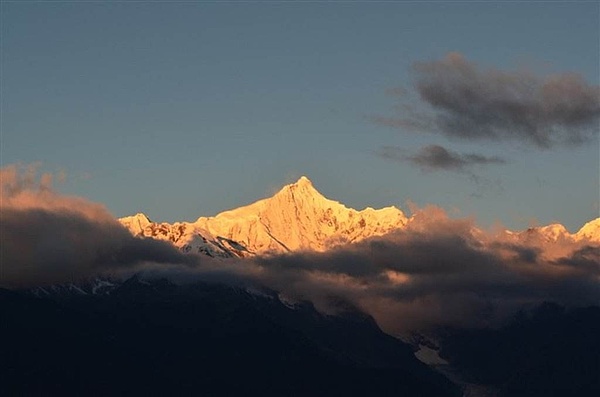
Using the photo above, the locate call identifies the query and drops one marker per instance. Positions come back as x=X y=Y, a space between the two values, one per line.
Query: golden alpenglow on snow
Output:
x=297 y=217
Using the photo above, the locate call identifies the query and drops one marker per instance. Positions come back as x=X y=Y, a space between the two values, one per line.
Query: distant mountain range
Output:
x=298 y=217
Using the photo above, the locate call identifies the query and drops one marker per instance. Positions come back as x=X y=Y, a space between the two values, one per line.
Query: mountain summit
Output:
x=297 y=217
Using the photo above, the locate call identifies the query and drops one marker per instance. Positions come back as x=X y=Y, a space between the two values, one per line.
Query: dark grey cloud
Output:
x=436 y=157
x=439 y=271
x=436 y=271
x=523 y=253
x=472 y=102
x=586 y=259
x=50 y=238
x=44 y=247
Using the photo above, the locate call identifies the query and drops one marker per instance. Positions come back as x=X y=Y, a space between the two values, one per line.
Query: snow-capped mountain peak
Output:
x=303 y=180
x=136 y=223
x=589 y=231
x=556 y=231
x=297 y=217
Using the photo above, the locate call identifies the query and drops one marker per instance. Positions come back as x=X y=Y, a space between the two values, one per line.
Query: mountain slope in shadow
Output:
x=159 y=338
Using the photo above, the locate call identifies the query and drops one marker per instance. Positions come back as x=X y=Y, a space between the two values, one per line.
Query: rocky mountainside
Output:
x=188 y=237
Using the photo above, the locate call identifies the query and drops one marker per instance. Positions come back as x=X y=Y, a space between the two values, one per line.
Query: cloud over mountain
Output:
x=440 y=271
x=48 y=237
x=431 y=271
x=469 y=101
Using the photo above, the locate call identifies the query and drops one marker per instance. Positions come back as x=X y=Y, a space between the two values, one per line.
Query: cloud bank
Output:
x=437 y=271
x=472 y=102
x=440 y=271
x=47 y=237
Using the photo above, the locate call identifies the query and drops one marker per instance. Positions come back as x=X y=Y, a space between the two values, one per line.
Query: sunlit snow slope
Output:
x=298 y=217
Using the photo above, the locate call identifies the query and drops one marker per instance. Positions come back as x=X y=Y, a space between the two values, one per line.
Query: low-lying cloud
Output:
x=440 y=271
x=437 y=271
x=436 y=158
x=472 y=102
x=48 y=237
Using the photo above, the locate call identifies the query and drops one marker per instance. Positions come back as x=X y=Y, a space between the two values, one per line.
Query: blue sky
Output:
x=187 y=109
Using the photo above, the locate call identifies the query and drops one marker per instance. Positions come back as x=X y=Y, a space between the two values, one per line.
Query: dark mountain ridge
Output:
x=547 y=351
x=159 y=338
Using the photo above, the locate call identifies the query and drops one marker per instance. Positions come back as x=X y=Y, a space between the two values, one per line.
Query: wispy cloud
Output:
x=436 y=157
x=469 y=101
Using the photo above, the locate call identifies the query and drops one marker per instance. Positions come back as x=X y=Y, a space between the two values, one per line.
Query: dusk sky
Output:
x=183 y=109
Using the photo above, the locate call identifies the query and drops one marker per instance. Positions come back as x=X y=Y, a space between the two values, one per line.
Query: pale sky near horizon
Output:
x=183 y=109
